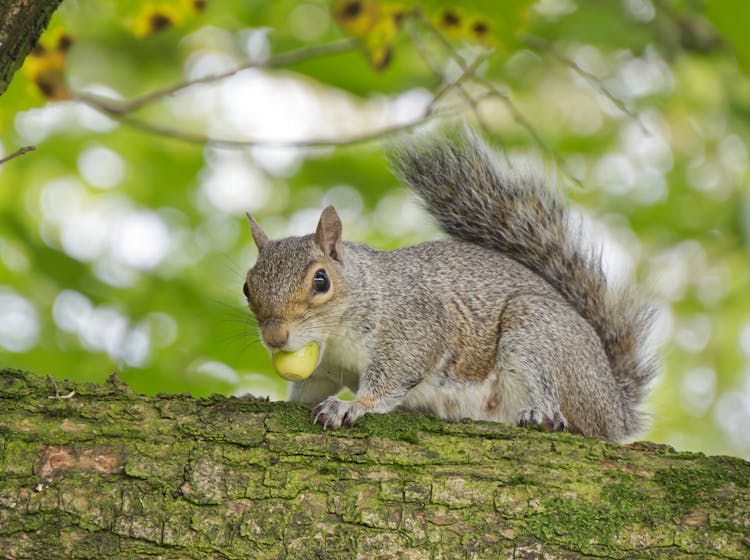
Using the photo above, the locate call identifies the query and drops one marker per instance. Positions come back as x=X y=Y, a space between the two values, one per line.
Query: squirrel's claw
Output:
x=333 y=413
x=531 y=417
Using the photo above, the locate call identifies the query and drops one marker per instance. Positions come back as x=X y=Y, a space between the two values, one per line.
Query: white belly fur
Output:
x=344 y=358
x=455 y=400
x=497 y=398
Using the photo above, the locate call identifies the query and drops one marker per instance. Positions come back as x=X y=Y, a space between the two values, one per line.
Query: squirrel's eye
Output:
x=321 y=282
x=246 y=290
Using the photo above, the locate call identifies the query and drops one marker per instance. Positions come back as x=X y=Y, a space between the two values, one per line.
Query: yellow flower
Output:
x=153 y=19
x=45 y=65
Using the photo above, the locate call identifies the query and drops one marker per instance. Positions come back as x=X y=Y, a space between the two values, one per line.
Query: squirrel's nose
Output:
x=275 y=334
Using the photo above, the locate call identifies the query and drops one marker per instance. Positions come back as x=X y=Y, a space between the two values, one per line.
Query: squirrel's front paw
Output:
x=333 y=413
x=531 y=417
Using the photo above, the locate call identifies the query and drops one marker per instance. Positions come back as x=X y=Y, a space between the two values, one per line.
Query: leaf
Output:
x=730 y=19
x=499 y=24
x=375 y=23
x=154 y=18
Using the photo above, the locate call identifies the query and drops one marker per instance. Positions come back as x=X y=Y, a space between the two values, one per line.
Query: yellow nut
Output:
x=297 y=365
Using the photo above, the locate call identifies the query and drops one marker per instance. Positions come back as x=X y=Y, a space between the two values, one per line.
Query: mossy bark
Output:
x=21 y=25
x=108 y=473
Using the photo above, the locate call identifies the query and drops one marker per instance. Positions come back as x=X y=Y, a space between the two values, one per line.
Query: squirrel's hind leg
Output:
x=528 y=352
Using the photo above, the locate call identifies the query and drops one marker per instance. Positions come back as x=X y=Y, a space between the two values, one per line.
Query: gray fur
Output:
x=511 y=321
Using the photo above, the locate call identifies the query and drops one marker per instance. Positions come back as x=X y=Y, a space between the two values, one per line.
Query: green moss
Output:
x=288 y=417
x=152 y=461
x=520 y=479
x=399 y=426
x=19 y=457
x=228 y=421
x=328 y=468
x=736 y=470
x=590 y=526
x=15 y=384
x=686 y=487
x=575 y=523
x=632 y=505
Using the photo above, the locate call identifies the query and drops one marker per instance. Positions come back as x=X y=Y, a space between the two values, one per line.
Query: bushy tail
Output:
x=517 y=212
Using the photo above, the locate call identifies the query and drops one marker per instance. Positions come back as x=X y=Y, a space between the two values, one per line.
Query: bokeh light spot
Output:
x=19 y=323
x=101 y=167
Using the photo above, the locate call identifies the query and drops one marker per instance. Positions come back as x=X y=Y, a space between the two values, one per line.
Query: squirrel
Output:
x=509 y=320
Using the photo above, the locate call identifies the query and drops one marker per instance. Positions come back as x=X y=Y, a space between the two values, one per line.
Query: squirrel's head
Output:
x=293 y=287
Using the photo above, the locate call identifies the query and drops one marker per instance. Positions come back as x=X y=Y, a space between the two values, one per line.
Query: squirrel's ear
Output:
x=259 y=236
x=328 y=234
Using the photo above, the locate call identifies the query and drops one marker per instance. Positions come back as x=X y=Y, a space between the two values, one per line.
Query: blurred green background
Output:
x=123 y=241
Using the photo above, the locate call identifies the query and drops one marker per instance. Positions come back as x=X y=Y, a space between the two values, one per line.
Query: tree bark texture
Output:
x=21 y=24
x=108 y=473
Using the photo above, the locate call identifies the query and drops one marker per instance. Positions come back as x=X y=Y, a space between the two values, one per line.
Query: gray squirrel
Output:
x=510 y=320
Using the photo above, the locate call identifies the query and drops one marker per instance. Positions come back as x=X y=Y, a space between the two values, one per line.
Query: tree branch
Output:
x=122 y=110
x=117 y=107
x=198 y=138
x=21 y=24
x=492 y=91
x=467 y=72
x=18 y=152
x=539 y=43
x=518 y=116
x=108 y=473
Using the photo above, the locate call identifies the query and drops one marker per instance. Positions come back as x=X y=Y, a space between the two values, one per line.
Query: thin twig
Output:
x=198 y=138
x=57 y=394
x=494 y=91
x=518 y=116
x=424 y=55
x=542 y=44
x=504 y=97
x=448 y=85
x=120 y=110
x=18 y=152
x=123 y=107
x=465 y=75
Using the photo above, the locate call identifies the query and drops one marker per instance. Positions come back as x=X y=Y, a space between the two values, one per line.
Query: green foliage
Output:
x=729 y=18
x=123 y=245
